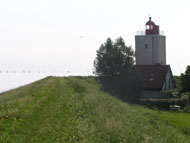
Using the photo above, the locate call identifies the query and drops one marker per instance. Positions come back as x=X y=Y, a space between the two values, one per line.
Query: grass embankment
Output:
x=73 y=110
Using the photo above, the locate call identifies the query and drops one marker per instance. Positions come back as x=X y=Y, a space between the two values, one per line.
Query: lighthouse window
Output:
x=147 y=27
x=146 y=46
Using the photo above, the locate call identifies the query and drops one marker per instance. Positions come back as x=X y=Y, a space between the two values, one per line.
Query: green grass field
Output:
x=76 y=110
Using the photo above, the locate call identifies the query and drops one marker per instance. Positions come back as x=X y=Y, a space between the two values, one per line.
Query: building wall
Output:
x=150 y=49
x=169 y=82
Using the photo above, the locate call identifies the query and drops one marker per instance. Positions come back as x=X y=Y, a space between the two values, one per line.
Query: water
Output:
x=10 y=79
x=14 y=80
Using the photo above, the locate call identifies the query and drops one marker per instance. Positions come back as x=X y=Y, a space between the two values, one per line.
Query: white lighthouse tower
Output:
x=150 y=47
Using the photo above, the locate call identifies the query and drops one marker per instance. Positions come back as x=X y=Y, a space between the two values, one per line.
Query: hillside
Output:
x=76 y=110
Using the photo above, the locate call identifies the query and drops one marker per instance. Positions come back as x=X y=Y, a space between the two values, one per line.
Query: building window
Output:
x=146 y=46
x=147 y=27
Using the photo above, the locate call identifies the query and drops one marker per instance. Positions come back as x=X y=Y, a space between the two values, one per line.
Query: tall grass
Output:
x=75 y=109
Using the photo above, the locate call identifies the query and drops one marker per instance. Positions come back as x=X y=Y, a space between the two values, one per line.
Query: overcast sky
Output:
x=65 y=34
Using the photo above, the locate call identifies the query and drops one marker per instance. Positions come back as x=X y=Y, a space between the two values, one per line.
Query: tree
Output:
x=187 y=72
x=114 y=58
x=114 y=65
x=185 y=79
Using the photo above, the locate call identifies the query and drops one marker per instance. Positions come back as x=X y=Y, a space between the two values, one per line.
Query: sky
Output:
x=64 y=35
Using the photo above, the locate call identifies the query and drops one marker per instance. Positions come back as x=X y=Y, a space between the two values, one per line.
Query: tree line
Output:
x=115 y=68
x=185 y=80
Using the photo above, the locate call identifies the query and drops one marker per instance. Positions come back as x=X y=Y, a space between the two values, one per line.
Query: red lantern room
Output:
x=151 y=28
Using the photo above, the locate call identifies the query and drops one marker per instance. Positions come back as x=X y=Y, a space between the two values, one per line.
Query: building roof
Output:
x=153 y=75
x=150 y=22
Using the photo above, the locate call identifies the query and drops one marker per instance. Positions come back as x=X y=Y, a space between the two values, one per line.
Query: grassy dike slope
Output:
x=76 y=110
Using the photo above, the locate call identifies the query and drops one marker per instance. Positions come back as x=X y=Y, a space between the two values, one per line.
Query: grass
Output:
x=76 y=110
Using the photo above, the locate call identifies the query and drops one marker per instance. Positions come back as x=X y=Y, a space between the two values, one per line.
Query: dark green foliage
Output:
x=114 y=58
x=185 y=80
x=129 y=86
x=115 y=65
x=126 y=86
x=187 y=109
x=177 y=80
x=187 y=72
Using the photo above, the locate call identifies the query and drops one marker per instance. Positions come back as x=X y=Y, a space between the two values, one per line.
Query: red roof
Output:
x=153 y=75
x=150 y=22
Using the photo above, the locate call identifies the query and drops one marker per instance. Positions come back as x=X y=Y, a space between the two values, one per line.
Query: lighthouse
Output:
x=150 y=47
x=150 y=50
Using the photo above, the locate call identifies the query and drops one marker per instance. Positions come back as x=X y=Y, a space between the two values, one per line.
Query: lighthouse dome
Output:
x=151 y=28
x=150 y=22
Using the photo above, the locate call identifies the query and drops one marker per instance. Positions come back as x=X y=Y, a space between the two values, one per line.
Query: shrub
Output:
x=126 y=86
x=185 y=82
x=187 y=109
